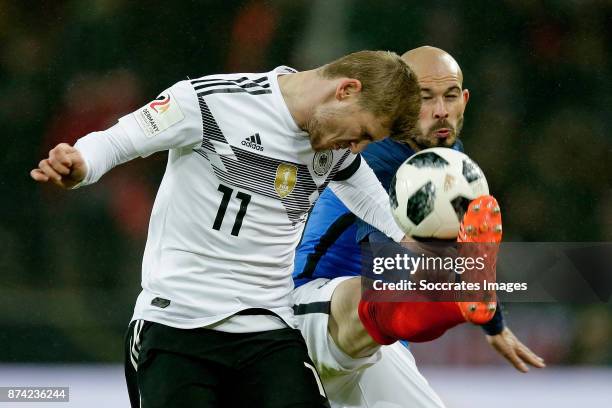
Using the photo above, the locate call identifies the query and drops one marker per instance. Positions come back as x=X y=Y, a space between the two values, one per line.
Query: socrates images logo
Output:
x=161 y=104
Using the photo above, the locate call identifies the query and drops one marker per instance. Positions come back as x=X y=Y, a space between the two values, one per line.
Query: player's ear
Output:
x=347 y=87
x=466 y=96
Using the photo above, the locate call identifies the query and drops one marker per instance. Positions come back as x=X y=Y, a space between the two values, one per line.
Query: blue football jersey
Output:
x=330 y=244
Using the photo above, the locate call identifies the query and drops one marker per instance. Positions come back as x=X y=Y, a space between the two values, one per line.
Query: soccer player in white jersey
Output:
x=356 y=371
x=248 y=156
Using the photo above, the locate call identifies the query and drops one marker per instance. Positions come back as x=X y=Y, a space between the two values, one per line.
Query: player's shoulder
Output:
x=245 y=83
x=385 y=148
x=387 y=153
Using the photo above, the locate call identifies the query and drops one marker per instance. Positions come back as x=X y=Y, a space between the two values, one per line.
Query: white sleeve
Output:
x=365 y=197
x=172 y=120
x=104 y=150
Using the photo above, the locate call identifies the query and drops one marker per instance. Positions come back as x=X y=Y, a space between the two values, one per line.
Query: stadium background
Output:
x=540 y=78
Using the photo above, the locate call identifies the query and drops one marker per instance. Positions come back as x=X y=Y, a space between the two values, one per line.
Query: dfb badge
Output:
x=322 y=161
x=286 y=177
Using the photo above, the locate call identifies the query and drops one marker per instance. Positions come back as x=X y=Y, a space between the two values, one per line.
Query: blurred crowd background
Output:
x=540 y=78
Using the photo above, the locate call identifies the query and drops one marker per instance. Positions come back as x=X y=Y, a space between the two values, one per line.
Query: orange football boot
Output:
x=481 y=223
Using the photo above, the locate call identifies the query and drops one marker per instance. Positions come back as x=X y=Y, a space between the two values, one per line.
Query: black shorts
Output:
x=169 y=367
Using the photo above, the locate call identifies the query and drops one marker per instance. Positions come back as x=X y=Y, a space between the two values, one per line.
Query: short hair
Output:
x=389 y=88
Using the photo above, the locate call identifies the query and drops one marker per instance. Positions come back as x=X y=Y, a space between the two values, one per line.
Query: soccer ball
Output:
x=431 y=191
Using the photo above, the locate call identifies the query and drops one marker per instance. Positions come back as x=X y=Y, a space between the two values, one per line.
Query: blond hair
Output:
x=389 y=88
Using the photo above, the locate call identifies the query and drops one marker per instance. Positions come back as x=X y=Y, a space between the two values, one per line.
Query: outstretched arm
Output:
x=138 y=134
x=85 y=162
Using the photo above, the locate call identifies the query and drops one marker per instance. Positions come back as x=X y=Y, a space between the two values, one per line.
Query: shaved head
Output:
x=443 y=98
x=431 y=62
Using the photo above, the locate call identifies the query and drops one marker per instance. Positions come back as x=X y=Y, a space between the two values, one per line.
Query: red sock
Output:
x=417 y=322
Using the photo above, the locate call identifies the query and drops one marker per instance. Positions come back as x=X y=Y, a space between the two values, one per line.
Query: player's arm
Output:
x=359 y=189
x=173 y=120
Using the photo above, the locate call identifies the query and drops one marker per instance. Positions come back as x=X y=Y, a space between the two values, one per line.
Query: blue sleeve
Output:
x=384 y=158
x=378 y=238
x=328 y=248
x=364 y=230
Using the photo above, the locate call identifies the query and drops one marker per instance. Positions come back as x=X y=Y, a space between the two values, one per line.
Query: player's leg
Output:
x=339 y=371
x=356 y=382
x=276 y=372
x=417 y=320
x=414 y=321
x=393 y=381
x=345 y=326
x=173 y=380
x=207 y=368
x=132 y=351
x=387 y=321
x=164 y=368
x=396 y=382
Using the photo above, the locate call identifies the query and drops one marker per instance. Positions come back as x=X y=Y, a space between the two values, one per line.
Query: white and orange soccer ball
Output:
x=432 y=190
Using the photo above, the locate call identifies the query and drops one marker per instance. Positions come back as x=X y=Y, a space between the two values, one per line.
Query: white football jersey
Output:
x=240 y=179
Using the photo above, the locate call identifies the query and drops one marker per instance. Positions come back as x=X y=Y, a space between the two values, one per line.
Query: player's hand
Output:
x=514 y=351
x=64 y=167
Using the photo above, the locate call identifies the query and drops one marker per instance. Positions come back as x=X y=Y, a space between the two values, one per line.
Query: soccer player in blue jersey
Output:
x=328 y=264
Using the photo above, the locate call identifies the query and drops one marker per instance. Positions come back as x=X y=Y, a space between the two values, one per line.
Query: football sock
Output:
x=387 y=322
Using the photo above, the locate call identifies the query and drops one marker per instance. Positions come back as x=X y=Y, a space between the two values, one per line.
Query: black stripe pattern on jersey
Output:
x=208 y=86
x=349 y=170
x=253 y=172
x=334 y=171
x=209 y=125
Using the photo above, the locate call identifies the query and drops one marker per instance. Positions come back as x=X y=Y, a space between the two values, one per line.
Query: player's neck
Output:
x=302 y=92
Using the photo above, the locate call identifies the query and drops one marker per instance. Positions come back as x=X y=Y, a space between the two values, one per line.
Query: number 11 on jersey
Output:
x=245 y=199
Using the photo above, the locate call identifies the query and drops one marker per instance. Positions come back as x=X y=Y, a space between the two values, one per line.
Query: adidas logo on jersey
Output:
x=254 y=142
